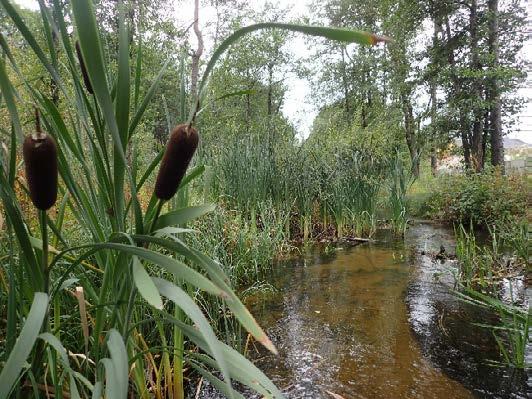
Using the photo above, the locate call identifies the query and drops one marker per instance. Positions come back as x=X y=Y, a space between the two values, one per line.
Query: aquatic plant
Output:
x=123 y=291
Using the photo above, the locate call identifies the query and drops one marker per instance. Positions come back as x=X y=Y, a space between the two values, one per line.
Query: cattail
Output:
x=84 y=73
x=179 y=151
x=40 y=157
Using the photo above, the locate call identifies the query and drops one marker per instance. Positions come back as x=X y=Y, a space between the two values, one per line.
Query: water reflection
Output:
x=376 y=321
x=342 y=326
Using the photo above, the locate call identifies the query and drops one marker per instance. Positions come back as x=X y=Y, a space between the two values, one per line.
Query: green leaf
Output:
x=111 y=380
x=215 y=381
x=58 y=346
x=118 y=352
x=6 y=90
x=240 y=368
x=194 y=173
x=183 y=215
x=179 y=269
x=181 y=299
x=217 y=275
x=25 y=341
x=147 y=98
x=145 y=285
x=337 y=34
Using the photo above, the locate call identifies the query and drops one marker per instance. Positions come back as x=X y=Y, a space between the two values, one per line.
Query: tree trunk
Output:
x=270 y=88
x=464 y=128
x=433 y=104
x=476 y=139
x=346 y=87
x=194 y=95
x=496 y=142
x=410 y=133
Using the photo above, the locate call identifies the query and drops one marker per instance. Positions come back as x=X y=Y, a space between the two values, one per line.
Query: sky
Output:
x=297 y=106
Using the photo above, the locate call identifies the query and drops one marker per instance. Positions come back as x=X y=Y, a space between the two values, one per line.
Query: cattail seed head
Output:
x=40 y=158
x=84 y=73
x=179 y=151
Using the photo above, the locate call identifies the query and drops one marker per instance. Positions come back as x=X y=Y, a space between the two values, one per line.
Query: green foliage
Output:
x=137 y=280
x=484 y=199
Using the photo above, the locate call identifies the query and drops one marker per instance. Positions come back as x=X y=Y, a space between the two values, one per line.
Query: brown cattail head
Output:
x=179 y=151
x=84 y=73
x=40 y=158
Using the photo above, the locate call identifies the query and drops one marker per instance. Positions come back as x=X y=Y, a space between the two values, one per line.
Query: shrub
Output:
x=482 y=199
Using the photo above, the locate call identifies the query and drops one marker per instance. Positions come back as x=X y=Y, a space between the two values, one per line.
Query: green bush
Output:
x=482 y=199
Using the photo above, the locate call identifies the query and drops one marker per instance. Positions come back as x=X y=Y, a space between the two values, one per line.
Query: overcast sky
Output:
x=297 y=105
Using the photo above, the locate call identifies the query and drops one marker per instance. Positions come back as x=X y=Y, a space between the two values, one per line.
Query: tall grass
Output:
x=125 y=289
x=482 y=270
x=308 y=188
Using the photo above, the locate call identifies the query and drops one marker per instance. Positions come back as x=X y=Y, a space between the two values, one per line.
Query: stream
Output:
x=377 y=321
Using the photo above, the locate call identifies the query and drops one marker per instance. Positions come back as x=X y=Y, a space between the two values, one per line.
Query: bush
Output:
x=482 y=199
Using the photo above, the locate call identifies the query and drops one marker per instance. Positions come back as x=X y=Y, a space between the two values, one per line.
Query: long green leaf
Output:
x=58 y=346
x=6 y=89
x=215 y=381
x=337 y=34
x=118 y=352
x=24 y=345
x=183 y=215
x=240 y=368
x=145 y=285
x=217 y=275
x=181 y=299
x=173 y=266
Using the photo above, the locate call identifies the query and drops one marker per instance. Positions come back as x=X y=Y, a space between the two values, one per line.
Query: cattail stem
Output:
x=43 y=219
x=160 y=204
x=133 y=292
x=39 y=352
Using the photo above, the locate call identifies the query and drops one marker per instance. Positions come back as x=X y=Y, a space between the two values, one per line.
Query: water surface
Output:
x=378 y=321
x=342 y=325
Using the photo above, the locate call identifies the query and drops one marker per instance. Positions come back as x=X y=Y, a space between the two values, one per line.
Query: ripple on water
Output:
x=372 y=322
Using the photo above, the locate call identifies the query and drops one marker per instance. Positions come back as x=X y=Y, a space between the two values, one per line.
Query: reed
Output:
x=125 y=282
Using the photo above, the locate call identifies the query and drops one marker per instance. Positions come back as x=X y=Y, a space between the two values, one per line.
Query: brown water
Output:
x=343 y=326
x=372 y=322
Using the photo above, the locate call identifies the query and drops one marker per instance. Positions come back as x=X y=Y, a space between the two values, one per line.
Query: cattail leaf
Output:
x=37 y=243
x=216 y=382
x=240 y=368
x=91 y=49
x=240 y=311
x=46 y=18
x=111 y=380
x=194 y=173
x=179 y=269
x=25 y=341
x=54 y=342
x=183 y=215
x=218 y=276
x=153 y=164
x=122 y=85
x=145 y=285
x=337 y=34
x=181 y=299
x=6 y=89
x=147 y=98
x=117 y=350
x=22 y=234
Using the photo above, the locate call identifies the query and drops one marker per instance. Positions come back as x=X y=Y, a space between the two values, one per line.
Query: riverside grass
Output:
x=116 y=253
